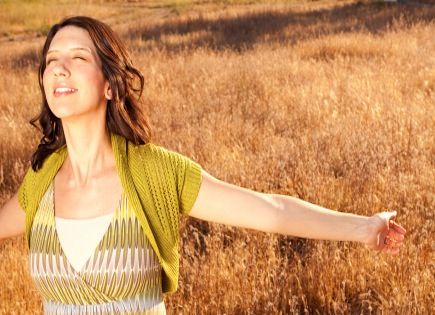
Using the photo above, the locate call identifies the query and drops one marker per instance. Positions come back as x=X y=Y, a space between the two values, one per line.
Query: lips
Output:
x=64 y=91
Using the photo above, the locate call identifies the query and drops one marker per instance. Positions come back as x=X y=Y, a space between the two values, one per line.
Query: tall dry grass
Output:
x=334 y=104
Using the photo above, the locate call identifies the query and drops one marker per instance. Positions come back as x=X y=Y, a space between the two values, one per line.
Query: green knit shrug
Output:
x=160 y=184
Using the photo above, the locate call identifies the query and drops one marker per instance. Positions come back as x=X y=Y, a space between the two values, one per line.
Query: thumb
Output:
x=392 y=215
x=387 y=216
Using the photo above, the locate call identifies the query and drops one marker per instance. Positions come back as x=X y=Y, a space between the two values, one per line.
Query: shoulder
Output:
x=34 y=181
x=52 y=160
x=160 y=159
x=156 y=152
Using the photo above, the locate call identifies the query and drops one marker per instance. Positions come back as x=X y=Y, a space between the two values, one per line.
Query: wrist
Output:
x=364 y=231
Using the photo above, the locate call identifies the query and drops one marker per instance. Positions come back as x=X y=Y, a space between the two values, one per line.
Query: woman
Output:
x=102 y=203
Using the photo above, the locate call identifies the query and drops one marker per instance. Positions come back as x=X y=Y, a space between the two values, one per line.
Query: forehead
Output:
x=70 y=37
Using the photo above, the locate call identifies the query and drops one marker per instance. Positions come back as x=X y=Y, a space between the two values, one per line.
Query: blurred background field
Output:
x=329 y=101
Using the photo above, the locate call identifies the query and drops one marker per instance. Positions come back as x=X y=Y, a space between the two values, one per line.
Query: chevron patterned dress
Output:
x=122 y=276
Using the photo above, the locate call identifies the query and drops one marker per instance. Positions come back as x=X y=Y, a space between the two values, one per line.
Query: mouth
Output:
x=58 y=92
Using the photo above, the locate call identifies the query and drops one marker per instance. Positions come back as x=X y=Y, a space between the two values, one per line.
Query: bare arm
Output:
x=12 y=218
x=225 y=203
x=229 y=204
x=304 y=219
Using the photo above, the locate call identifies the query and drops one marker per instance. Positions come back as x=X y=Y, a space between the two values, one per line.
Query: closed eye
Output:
x=50 y=60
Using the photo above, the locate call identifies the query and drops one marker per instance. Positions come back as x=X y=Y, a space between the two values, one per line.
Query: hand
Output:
x=384 y=235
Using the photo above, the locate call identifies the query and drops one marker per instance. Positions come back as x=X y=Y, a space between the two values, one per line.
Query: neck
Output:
x=89 y=155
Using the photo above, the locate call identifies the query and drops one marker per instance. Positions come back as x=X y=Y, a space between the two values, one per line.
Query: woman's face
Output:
x=73 y=80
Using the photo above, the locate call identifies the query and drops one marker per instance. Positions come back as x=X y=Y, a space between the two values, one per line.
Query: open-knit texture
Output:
x=161 y=184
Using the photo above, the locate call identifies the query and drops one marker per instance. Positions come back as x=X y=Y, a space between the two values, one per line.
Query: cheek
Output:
x=46 y=85
x=46 y=77
x=94 y=76
x=95 y=82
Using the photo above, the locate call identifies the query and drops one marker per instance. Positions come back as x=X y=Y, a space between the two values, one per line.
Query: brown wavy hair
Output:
x=124 y=115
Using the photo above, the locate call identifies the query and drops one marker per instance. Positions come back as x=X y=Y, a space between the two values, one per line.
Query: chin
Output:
x=69 y=113
x=60 y=110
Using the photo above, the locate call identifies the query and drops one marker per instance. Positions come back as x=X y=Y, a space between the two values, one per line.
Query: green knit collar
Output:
x=55 y=160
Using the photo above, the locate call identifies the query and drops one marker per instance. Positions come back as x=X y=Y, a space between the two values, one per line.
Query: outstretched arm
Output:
x=225 y=203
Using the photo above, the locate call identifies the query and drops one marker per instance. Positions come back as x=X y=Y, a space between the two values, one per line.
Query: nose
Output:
x=60 y=69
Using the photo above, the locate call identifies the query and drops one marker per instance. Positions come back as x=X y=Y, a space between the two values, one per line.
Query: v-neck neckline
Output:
x=121 y=149
x=62 y=252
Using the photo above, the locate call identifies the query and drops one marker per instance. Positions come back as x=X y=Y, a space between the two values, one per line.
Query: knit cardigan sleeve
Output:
x=189 y=183
x=188 y=177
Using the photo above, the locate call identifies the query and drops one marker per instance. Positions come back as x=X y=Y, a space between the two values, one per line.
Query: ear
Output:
x=107 y=91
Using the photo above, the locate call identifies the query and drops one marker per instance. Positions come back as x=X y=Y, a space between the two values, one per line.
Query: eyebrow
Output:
x=75 y=48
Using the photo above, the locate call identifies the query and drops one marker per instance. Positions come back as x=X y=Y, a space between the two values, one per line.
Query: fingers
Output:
x=396 y=233
x=397 y=227
x=394 y=249
x=390 y=247
x=395 y=236
x=392 y=237
x=392 y=243
x=388 y=217
x=389 y=250
x=395 y=239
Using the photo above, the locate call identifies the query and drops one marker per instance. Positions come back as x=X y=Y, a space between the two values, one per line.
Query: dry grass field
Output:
x=331 y=101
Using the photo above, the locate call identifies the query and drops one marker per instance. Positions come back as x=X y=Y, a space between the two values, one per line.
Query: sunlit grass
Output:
x=331 y=104
x=24 y=16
